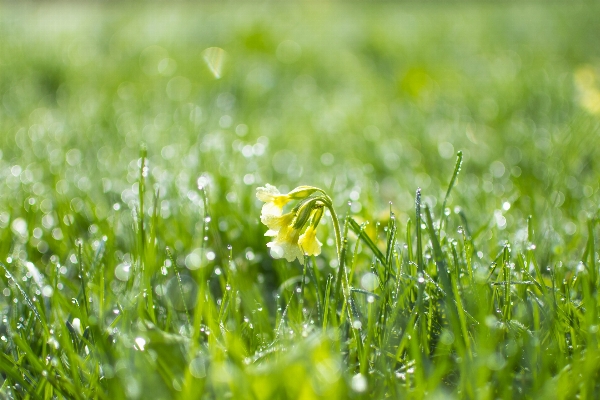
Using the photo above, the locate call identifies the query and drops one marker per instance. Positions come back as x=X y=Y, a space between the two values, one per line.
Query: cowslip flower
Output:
x=277 y=223
x=286 y=229
x=275 y=201
x=309 y=243
x=285 y=245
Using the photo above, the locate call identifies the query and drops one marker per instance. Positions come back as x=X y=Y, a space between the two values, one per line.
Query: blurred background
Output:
x=367 y=101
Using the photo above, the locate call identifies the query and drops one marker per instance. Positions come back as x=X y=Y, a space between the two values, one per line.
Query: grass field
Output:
x=456 y=149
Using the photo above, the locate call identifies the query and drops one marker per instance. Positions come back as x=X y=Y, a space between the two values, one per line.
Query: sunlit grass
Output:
x=456 y=151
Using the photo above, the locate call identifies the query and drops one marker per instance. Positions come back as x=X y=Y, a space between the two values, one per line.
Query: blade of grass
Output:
x=457 y=167
x=356 y=228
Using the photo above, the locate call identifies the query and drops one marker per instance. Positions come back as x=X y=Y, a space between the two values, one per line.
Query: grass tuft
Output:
x=134 y=263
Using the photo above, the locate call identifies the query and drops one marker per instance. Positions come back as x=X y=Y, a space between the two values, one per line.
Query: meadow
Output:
x=455 y=148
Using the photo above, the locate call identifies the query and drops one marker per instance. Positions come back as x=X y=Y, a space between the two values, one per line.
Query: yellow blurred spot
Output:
x=262 y=386
x=415 y=81
x=588 y=93
x=214 y=57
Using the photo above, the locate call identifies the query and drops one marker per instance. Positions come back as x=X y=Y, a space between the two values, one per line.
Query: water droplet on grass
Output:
x=198 y=368
x=123 y=271
x=369 y=281
x=140 y=343
x=359 y=383
x=47 y=291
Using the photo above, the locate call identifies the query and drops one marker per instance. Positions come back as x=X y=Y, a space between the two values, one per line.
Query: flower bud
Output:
x=303 y=214
x=302 y=192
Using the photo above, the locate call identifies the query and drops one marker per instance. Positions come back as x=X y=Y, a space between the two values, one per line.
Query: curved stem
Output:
x=338 y=234
x=336 y=226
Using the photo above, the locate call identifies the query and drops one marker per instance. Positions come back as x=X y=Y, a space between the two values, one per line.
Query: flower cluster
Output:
x=294 y=233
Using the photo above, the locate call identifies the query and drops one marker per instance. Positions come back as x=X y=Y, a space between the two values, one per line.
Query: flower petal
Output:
x=267 y=194
x=292 y=251
x=277 y=222
x=309 y=243
x=270 y=209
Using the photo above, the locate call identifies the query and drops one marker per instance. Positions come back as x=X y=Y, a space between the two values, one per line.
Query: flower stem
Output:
x=336 y=227
x=339 y=284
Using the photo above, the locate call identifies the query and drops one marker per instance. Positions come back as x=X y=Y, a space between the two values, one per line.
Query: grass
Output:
x=457 y=144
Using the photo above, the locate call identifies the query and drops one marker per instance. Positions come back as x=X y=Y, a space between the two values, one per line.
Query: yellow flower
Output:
x=287 y=242
x=276 y=223
x=286 y=228
x=285 y=245
x=309 y=243
x=274 y=201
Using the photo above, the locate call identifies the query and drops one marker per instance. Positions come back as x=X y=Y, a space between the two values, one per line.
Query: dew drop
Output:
x=123 y=271
x=198 y=368
x=359 y=383
x=140 y=343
